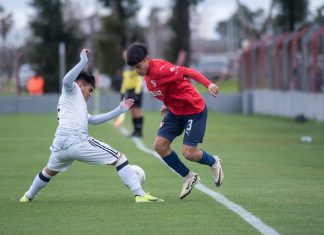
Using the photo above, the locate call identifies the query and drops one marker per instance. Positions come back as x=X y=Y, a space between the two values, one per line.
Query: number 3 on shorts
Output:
x=189 y=125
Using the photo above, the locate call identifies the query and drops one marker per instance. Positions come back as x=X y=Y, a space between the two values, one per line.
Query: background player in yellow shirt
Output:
x=132 y=87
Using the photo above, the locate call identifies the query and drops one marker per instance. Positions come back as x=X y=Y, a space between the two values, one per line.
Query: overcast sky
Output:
x=209 y=12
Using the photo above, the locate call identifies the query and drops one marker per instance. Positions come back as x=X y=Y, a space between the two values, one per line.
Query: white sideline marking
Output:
x=237 y=209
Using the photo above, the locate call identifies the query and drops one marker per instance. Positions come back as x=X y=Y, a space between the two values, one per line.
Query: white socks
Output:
x=41 y=180
x=129 y=177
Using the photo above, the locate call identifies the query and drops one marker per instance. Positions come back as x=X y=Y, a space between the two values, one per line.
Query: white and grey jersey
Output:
x=72 y=110
x=72 y=119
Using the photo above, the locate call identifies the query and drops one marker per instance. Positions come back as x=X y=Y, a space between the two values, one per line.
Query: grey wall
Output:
x=284 y=103
x=267 y=102
x=227 y=103
x=22 y=104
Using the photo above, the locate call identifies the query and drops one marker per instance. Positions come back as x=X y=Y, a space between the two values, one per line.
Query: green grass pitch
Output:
x=268 y=171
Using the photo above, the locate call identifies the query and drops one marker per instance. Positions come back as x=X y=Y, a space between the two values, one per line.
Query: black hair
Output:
x=87 y=78
x=135 y=53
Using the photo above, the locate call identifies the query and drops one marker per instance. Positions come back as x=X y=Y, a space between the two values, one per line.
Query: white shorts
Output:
x=90 y=151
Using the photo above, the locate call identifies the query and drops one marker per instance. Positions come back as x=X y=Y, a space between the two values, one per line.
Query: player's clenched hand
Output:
x=126 y=104
x=84 y=54
x=164 y=109
x=213 y=89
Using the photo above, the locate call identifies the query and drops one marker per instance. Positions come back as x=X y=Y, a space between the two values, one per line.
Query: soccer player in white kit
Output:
x=72 y=141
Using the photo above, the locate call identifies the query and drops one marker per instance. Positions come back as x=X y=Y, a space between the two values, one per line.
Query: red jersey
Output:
x=167 y=83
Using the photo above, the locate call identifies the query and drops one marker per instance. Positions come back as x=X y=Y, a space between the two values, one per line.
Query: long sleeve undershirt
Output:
x=104 y=117
x=69 y=78
x=188 y=72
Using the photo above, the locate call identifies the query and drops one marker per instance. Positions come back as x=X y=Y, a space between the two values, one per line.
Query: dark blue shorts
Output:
x=194 y=127
x=137 y=97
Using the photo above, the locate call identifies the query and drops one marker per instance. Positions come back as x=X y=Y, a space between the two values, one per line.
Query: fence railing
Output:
x=290 y=61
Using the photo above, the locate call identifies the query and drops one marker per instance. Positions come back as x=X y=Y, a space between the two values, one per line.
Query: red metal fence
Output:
x=290 y=61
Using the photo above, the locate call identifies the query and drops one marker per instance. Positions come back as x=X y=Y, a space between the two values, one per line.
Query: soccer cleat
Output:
x=217 y=171
x=25 y=199
x=136 y=134
x=147 y=198
x=189 y=182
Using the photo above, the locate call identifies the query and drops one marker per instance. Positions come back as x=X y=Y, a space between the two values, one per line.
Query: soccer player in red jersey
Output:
x=183 y=110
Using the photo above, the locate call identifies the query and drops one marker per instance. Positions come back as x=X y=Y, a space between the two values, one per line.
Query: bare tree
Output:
x=6 y=23
x=248 y=22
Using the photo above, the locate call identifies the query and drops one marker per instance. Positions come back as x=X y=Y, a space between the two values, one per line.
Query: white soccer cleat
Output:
x=217 y=171
x=189 y=182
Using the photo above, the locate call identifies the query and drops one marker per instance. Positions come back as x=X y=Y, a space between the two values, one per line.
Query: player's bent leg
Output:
x=41 y=180
x=170 y=157
x=130 y=179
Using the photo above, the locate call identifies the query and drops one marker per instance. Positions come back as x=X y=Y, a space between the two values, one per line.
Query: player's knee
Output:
x=121 y=162
x=189 y=154
x=121 y=158
x=50 y=172
x=161 y=145
x=160 y=148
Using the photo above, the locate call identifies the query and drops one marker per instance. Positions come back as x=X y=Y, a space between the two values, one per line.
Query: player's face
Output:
x=141 y=67
x=86 y=89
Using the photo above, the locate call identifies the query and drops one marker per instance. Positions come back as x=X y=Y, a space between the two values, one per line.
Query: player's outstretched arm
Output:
x=212 y=87
x=104 y=117
x=70 y=77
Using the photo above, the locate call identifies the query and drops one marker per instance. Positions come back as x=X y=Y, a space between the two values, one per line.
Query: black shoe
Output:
x=136 y=134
